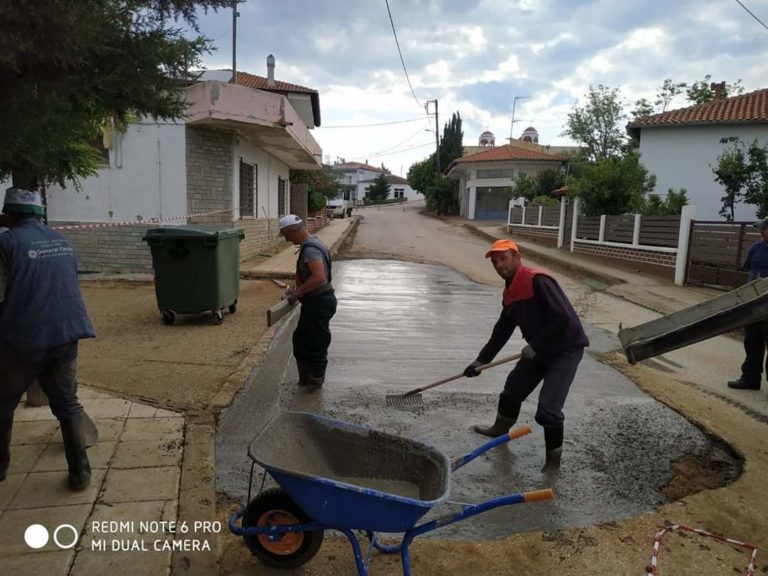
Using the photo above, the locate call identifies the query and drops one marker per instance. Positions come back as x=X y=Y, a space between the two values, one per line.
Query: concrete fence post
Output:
x=561 y=222
x=541 y=214
x=522 y=218
x=576 y=209
x=683 y=242
x=509 y=215
x=601 y=234
x=636 y=230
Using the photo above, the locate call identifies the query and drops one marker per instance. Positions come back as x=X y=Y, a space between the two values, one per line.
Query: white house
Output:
x=487 y=178
x=399 y=188
x=227 y=161
x=681 y=147
x=351 y=177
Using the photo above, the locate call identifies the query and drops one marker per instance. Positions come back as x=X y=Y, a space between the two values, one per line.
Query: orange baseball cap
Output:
x=502 y=246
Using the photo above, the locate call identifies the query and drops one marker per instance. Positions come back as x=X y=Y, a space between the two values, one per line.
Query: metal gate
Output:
x=716 y=253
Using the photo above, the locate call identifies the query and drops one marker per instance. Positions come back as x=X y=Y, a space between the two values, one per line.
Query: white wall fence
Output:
x=659 y=243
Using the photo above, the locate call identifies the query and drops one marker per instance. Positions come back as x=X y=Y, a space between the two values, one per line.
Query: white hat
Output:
x=20 y=201
x=289 y=220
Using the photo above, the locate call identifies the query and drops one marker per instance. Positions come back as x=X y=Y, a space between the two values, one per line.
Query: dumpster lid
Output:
x=194 y=231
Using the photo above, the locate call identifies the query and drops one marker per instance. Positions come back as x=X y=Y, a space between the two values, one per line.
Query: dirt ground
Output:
x=179 y=367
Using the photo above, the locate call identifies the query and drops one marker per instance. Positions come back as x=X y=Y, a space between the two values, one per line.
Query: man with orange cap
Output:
x=555 y=339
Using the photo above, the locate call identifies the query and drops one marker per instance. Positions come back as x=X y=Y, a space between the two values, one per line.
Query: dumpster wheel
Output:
x=233 y=307
x=218 y=317
x=169 y=317
x=290 y=550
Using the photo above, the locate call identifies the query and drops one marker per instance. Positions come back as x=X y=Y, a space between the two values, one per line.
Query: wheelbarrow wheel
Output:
x=293 y=549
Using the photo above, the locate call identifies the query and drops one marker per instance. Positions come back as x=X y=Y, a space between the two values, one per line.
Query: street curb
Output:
x=341 y=239
x=563 y=263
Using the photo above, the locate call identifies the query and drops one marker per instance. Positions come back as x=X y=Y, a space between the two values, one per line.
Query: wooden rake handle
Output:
x=457 y=376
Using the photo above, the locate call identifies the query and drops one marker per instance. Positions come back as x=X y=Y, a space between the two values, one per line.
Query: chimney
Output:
x=719 y=89
x=270 y=70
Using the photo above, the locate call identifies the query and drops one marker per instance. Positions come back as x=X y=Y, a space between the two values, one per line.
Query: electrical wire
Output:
x=397 y=151
x=411 y=137
x=377 y=124
x=402 y=61
x=752 y=14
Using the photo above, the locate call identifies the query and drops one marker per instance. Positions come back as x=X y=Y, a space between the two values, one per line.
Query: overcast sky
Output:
x=475 y=56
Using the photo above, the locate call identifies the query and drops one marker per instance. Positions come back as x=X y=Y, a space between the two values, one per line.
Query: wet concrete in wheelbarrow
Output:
x=402 y=325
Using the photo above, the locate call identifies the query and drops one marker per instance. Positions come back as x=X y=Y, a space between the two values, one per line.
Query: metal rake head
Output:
x=401 y=401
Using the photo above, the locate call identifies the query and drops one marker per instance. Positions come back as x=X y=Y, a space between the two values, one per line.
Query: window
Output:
x=247 y=189
x=399 y=192
x=282 y=197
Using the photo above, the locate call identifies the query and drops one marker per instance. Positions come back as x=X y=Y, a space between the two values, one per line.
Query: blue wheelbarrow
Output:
x=334 y=475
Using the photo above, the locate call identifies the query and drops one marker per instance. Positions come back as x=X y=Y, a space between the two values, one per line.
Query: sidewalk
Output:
x=642 y=288
x=283 y=264
x=136 y=471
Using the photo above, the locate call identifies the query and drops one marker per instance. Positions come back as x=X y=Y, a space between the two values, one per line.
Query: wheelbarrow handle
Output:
x=513 y=434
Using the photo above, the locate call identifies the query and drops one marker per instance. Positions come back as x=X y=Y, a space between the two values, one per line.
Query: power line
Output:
x=377 y=124
x=411 y=137
x=752 y=14
x=430 y=143
x=392 y=22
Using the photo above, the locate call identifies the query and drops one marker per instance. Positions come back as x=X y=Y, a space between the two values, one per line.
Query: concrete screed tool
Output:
x=413 y=398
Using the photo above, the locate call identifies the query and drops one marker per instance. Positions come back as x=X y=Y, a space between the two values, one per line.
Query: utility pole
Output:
x=234 y=41
x=512 y=124
x=437 y=136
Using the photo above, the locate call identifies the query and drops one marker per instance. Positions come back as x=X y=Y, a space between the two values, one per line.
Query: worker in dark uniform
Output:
x=534 y=301
x=314 y=290
x=42 y=318
x=755 y=335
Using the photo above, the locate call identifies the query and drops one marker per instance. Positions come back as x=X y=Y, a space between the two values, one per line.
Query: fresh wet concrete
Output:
x=401 y=325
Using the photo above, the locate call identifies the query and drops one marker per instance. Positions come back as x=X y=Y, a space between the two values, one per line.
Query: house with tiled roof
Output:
x=228 y=161
x=682 y=146
x=487 y=178
x=399 y=188
x=351 y=177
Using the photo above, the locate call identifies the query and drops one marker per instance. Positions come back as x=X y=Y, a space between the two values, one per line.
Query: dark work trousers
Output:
x=54 y=369
x=557 y=373
x=755 y=339
x=312 y=336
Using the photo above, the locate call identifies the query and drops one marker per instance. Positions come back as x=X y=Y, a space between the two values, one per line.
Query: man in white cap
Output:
x=42 y=318
x=314 y=290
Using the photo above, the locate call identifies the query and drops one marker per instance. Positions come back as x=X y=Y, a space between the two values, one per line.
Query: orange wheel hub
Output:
x=289 y=542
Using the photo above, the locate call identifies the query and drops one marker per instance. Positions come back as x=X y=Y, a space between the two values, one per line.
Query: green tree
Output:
x=598 y=125
x=325 y=181
x=642 y=108
x=525 y=186
x=69 y=66
x=421 y=175
x=614 y=185
x=672 y=205
x=667 y=92
x=701 y=92
x=315 y=201
x=548 y=180
x=452 y=143
x=743 y=171
x=378 y=192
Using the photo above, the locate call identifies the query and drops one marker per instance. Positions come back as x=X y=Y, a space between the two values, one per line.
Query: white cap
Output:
x=289 y=220
x=20 y=201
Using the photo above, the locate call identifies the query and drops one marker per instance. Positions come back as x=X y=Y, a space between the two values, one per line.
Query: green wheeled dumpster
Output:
x=197 y=269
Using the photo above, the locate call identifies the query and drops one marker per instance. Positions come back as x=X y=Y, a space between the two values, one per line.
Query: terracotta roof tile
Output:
x=260 y=83
x=750 y=107
x=508 y=152
x=357 y=166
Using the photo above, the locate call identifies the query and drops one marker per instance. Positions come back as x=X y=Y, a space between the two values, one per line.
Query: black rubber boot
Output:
x=74 y=448
x=553 y=441
x=303 y=373
x=316 y=377
x=6 y=426
x=499 y=427
x=742 y=384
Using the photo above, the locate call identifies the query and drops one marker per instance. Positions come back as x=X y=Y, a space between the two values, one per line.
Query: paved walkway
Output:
x=136 y=469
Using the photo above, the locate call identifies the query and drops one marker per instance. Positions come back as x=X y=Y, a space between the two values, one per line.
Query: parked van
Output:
x=337 y=208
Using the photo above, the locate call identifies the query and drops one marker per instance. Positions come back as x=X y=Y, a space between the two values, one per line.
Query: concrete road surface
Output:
x=403 y=324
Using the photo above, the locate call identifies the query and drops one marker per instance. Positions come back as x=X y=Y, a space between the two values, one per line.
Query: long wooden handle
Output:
x=457 y=376
x=278 y=311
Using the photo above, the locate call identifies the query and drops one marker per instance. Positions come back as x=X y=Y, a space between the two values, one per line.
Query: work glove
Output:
x=471 y=370
x=290 y=295
x=528 y=353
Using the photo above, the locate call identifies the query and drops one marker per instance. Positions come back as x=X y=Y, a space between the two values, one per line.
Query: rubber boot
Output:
x=72 y=431
x=553 y=441
x=6 y=425
x=499 y=427
x=742 y=384
x=303 y=373
x=316 y=377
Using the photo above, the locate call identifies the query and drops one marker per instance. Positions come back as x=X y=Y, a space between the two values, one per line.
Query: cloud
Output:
x=475 y=56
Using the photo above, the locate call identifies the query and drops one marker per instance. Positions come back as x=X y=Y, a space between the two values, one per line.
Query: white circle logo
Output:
x=32 y=254
x=62 y=545
x=36 y=536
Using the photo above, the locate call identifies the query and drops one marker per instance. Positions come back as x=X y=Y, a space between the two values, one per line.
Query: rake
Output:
x=414 y=399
